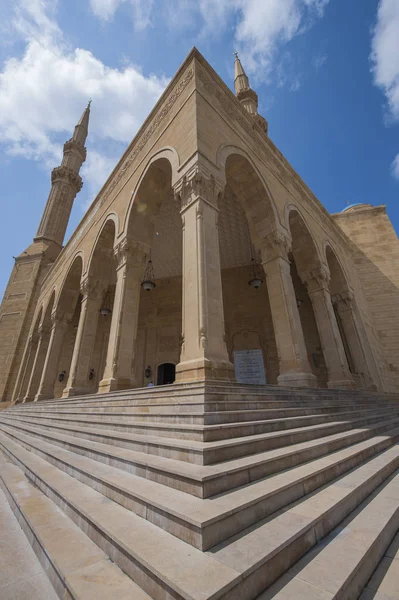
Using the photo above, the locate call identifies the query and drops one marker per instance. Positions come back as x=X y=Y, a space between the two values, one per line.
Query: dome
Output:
x=355 y=206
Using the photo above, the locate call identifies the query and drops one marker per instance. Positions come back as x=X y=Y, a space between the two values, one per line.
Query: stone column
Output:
x=49 y=374
x=78 y=381
x=357 y=342
x=203 y=352
x=316 y=282
x=295 y=370
x=25 y=369
x=119 y=367
x=37 y=363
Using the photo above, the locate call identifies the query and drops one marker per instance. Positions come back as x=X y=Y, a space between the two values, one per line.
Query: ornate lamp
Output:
x=255 y=280
x=148 y=282
x=105 y=310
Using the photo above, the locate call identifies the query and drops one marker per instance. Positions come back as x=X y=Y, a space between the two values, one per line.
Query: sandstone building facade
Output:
x=201 y=203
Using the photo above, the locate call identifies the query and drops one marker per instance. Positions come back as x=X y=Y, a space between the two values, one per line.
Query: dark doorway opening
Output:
x=166 y=374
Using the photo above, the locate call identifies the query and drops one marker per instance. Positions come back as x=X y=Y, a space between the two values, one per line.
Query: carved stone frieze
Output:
x=67 y=175
x=130 y=252
x=344 y=300
x=275 y=244
x=92 y=288
x=198 y=184
x=316 y=280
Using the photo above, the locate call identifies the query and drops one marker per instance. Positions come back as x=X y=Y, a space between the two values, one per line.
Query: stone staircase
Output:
x=200 y=492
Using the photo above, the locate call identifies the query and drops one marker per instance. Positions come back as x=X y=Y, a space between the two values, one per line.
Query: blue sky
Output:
x=326 y=71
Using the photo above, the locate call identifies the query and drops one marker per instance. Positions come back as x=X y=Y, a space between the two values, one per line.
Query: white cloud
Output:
x=141 y=10
x=395 y=167
x=385 y=53
x=43 y=93
x=260 y=27
x=385 y=60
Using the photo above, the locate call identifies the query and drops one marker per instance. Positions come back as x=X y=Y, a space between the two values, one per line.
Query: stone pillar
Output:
x=344 y=303
x=294 y=366
x=78 y=381
x=37 y=363
x=203 y=352
x=49 y=374
x=316 y=282
x=119 y=367
x=25 y=369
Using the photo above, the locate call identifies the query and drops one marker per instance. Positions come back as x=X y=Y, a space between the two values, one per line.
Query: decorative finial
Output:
x=348 y=203
x=88 y=106
x=236 y=54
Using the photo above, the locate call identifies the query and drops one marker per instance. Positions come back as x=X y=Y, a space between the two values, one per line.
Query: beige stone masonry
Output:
x=294 y=365
x=92 y=292
x=49 y=374
x=118 y=374
x=204 y=353
x=338 y=370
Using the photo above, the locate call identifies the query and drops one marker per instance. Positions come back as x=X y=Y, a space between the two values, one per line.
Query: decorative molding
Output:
x=92 y=288
x=316 y=280
x=275 y=244
x=67 y=175
x=130 y=252
x=73 y=146
x=344 y=300
x=197 y=184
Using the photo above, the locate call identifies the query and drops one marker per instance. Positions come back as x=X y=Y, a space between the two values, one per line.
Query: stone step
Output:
x=205 y=523
x=240 y=568
x=340 y=566
x=75 y=566
x=218 y=401
x=266 y=551
x=162 y=565
x=205 y=481
x=222 y=391
x=197 y=451
x=22 y=575
x=384 y=582
x=175 y=414
x=202 y=433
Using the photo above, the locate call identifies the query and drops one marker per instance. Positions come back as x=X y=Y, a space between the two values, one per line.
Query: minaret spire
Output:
x=65 y=184
x=245 y=94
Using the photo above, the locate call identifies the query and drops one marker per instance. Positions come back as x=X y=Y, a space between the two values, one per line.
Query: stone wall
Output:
x=375 y=249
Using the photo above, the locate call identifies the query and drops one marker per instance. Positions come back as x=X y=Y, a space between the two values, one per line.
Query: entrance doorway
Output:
x=166 y=374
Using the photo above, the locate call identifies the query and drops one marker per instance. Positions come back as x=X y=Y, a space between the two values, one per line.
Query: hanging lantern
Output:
x=255 y=280
x=148 y=282
x=105 y=310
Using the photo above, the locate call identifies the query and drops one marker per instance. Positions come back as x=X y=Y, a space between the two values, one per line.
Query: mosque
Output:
x=199 y=390
x=204 y=256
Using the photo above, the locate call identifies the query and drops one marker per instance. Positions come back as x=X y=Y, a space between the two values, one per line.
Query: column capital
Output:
x=59 y=318
x=343 y=300
x=131 y=252
x=67 y=175
x=275 y=244
x=316 y=279
x=92 y=288
x=198 y=183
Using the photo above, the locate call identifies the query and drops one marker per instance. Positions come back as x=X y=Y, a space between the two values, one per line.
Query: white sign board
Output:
x=249 y=367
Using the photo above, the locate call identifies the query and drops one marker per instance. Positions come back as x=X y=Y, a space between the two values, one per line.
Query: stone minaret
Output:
x=65 y=184
x=32 y=265
x=246 y=95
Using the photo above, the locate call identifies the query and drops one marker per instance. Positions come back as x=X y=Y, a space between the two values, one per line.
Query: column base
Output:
x=43 y=396
x=343 y=384
x=203 y=369
x=74 y=391
x=27 y=399
x=307 y=380
x=113 y=384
